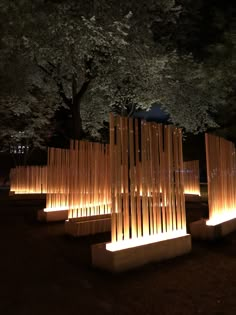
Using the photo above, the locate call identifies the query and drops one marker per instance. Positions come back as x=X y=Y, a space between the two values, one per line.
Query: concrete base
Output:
x=134 y=257
x=192 y=198
x=199 y=229
x=16 y=196
x=88 y=225
x=52 y=216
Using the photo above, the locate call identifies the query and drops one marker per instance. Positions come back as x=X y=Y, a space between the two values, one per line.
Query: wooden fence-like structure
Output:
x=58 y=179
x=28 y=179
x=79 y=179
x=146 y=179
x=191 y=178
x=89 y=192
x=221 y=176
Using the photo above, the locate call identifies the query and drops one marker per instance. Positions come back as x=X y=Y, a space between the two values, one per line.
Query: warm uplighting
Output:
x=139 y=171
x=221 y=163
x=55 y=209
x=191 y=178
x=226 y=215
x=28 y=179
x=192 y=192
x=90 y=189
x=90 y=209
x=119 y=245
x=79 y=179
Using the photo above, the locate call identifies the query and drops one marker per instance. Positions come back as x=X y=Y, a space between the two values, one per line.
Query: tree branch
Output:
x=59 y=84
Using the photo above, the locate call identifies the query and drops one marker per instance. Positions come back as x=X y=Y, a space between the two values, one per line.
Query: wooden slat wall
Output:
x=221 y=174
x=28 y=179
x=79 y=179
x=146 y=179
x=89 y=191
x=191 y=178
x=58 y=179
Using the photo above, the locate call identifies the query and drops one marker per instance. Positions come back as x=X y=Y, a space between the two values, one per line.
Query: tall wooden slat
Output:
x=181 y=183
x=138 y=184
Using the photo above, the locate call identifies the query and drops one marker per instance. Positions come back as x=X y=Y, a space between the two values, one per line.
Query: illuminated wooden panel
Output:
x=221 y=176
x=28 y=179
x=89 y=191
x=58 y=179
x=79 y=179
x=146 y=180
x=148 y=221
x=191 y=178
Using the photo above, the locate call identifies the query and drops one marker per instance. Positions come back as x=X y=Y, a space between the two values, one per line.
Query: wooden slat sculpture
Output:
x=221 y=173
x=28 y=179
x=191 y=178
x=78 y=183
x=89 y=190
x=58 y=179
x=146 y=180
x=221 y=177
x=148 y=221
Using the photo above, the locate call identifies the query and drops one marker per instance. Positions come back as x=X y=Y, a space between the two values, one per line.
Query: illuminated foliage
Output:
x=93 y=65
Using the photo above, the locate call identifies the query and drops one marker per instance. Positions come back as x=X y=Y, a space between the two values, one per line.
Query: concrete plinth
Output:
x=52 y=216
x=192 y=198
x=26 y=196
x=200 y=230
x=133 y=257
x=88 y=225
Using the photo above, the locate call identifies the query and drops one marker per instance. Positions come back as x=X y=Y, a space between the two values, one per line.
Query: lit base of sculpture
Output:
x=133 y=257
x=200 y=229
x=88 y=225
x=52 y=216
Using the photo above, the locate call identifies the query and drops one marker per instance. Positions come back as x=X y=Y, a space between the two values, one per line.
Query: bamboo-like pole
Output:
x=138 y=184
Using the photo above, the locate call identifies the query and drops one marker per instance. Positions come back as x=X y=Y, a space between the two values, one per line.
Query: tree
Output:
x=92 y=67
x=26 y=111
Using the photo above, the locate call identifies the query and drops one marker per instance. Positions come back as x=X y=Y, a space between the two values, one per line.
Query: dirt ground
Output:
x=44 y=272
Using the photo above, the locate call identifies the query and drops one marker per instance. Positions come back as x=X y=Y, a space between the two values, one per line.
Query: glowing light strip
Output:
x=25 y=192
x=130 y=243
x=28 y=179
x=222 y=218
x=192 y=192
x=55 y=209
x=79 y=207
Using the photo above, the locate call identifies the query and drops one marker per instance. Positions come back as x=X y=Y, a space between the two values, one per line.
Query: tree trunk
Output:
x=77 y=96
x=76 y=120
